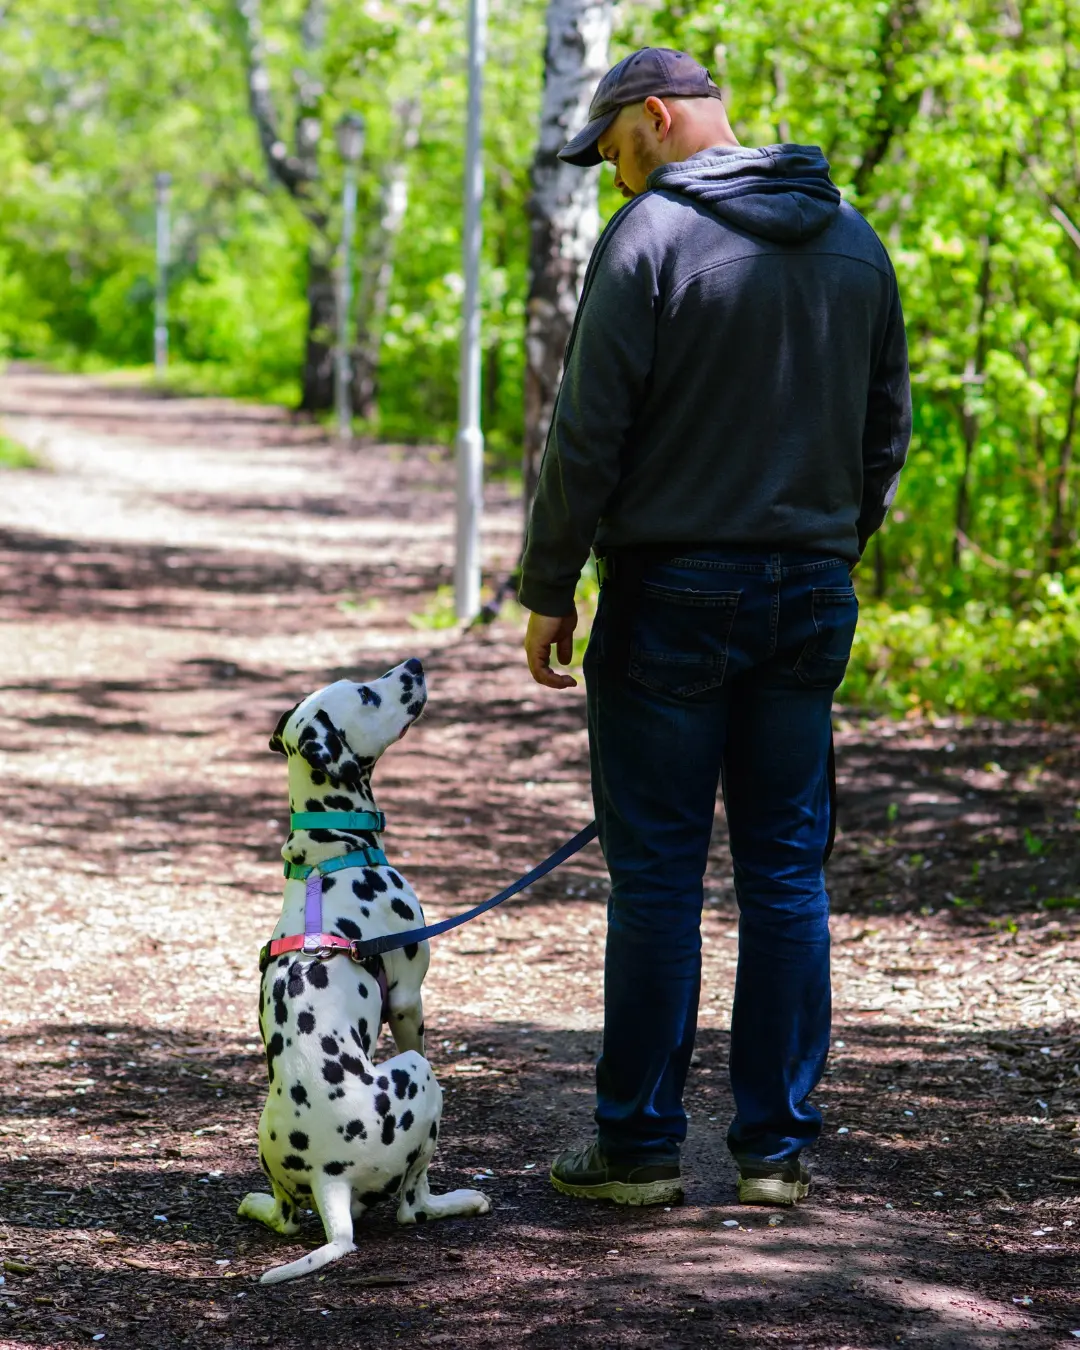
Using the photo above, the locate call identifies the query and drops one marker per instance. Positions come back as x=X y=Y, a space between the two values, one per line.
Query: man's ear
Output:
x=659 y=114
x=276 y=743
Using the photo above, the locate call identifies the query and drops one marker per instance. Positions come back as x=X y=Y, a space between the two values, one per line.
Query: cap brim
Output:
x=582 y=149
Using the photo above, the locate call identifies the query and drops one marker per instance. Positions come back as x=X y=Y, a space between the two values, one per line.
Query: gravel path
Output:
x=186 y=570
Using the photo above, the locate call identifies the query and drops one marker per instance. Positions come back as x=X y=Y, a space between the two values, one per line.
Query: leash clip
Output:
x=354 y=952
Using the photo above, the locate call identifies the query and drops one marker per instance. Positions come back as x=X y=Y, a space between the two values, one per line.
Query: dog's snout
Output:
x=415 y=667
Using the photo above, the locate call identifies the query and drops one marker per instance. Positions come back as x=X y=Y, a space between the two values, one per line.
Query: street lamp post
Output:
x=350 y=139
x=162 y=183
x=470 y=439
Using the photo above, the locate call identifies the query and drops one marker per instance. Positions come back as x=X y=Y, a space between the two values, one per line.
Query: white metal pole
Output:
x=162 y=182
x=470 y=440
x=343 y=381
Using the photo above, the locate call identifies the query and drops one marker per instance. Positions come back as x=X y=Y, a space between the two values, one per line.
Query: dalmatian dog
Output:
x=339 y=1131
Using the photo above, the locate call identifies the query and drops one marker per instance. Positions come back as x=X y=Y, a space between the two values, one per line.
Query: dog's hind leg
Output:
x=418 y=1204
x=333 y=1198
x=277 y=1211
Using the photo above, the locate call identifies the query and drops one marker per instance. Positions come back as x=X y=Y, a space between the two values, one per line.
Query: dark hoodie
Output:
x=737 y=374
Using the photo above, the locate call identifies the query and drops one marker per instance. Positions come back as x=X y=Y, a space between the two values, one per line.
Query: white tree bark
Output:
x=378 y=264
x=563 y=210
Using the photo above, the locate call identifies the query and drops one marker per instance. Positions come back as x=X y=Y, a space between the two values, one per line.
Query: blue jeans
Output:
x=730 y=670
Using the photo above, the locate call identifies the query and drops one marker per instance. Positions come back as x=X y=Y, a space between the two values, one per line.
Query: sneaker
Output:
x=585 y=1172
x=762 y=1183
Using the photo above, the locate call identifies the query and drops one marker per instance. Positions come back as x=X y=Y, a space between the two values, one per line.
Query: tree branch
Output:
x=289 y=170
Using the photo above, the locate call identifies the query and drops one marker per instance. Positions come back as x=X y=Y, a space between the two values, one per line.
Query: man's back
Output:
x=738 y=373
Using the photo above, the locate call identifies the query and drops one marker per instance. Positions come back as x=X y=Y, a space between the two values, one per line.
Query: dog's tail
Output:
x=334 y=1200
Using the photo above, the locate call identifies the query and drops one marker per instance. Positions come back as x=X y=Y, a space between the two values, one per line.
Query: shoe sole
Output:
x=771 y=1191
x=624 y=1192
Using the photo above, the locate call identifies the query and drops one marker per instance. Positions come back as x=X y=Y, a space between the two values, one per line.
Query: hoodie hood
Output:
x=778 y=192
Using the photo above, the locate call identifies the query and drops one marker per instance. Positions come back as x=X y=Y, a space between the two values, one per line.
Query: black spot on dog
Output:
x=299 y=1139
x=328 y=884
x=395 y=880
x=332 y=1071
x=410 y=1197
x=274 y=1048
x=348 y=929
x=281 y=1013
x=355 y=1130
x=412 y=1091
x=279 y=989
x=283 y=960
x=369 y=696
x=292 y=1163
x=317 y=975
x=382 y=1103
x=353 y=1065
x=401 y=908
x=273 y=1136
x=401 y=1082
x=383 y=1081
x=296 y=980
x=388 y=1128
x=413 y=1155
x=305 y=1022
x=333 y=1096
x=329 y=1045
x=415 y=709
x=363 y=891
x=433 y=1133
x=286 y=1210
x=375 y=881
x=318 y=778
x=420 y=1029
x=334 y=1169
x=406 y=1121
x=365 y=911
x=410 y=950
x=264 y=1164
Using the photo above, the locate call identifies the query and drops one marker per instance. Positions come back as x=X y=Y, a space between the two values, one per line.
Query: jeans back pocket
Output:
x=824 y=658
x=679 y=639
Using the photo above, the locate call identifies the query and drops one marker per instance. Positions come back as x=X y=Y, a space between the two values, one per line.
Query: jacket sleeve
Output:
x=887 y=431
x=608 y=362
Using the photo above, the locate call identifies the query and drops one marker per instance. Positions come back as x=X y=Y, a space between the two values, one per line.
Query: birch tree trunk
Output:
x=562 y=211
x=378 y=274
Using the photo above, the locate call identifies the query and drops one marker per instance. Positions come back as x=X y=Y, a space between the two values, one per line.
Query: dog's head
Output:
x=339 y=731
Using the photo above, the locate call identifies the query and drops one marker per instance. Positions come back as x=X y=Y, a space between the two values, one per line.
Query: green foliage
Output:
x=986 y=659
x=15 y=455
x=950 y=123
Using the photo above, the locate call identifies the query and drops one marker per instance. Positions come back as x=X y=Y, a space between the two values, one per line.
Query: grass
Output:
x=15 y=455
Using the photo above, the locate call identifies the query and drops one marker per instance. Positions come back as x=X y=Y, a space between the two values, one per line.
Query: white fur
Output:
x=339 y=1132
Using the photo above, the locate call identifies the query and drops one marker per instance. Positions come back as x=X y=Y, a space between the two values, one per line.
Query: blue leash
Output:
x=392 y=942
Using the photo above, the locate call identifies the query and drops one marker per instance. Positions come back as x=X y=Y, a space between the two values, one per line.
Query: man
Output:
x=732 y=421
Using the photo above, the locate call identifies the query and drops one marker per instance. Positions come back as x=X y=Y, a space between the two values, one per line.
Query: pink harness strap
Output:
x=312 y=942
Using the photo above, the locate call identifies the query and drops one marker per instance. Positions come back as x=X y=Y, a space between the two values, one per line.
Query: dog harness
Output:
x=313 y=941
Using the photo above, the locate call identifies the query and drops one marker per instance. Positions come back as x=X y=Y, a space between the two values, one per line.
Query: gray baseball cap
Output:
x=651 y=72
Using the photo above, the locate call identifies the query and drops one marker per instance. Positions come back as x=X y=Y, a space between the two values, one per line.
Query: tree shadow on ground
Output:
x=861 y=1264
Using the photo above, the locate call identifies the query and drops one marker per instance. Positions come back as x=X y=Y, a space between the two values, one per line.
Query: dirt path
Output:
x=187 y=571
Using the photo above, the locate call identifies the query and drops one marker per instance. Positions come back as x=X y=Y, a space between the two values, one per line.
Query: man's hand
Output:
x=544 y=633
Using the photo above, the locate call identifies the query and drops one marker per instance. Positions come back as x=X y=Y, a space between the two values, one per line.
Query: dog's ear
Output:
x=323 y=745
x=276 y=743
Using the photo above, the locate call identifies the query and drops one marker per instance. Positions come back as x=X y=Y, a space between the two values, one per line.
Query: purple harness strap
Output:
x=313 y=934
